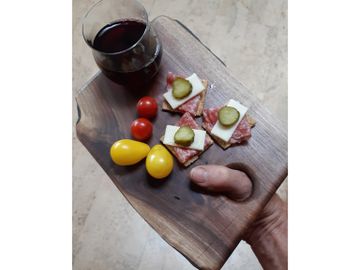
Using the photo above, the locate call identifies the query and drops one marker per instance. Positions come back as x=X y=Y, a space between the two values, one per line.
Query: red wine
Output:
x=127 y=52
x=118 y=36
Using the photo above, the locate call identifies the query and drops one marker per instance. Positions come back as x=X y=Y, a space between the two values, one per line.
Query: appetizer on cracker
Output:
x=186 y=141
x=229 y=124
x=185 y=94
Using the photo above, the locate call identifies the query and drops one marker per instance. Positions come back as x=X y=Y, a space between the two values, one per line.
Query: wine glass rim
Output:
x=121 y=51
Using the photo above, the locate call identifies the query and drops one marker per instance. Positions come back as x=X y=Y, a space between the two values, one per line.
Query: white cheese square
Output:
x=223 y=132
x=198 y=143
x=197 y=88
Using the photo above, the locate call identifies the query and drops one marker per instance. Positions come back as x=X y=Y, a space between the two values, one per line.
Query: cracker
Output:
x=224 y=145
x=166 y=106
x=190 y=161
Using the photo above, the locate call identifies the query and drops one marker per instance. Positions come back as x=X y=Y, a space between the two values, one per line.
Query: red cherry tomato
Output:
x=147 y=107
x=141 y=129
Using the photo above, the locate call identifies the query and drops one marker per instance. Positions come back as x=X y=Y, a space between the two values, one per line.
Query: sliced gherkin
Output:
x=181 y=88
x=184 y=136
x=228 y=116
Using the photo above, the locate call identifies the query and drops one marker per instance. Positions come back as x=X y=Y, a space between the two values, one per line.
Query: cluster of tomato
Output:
x=159 y=162
x=141 y=128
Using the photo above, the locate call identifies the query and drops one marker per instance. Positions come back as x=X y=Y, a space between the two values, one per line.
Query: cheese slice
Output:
x=223 y=132
x=198 y=143
x=197 y=88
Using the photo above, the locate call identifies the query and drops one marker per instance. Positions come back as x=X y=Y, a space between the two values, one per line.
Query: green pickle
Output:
x=181 y=88
x=184 y=136
x=228 y=116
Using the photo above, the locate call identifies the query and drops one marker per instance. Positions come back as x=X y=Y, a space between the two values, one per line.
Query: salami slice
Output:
x=190 y=106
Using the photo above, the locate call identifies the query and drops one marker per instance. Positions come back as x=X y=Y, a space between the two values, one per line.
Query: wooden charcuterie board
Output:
x=205 y=228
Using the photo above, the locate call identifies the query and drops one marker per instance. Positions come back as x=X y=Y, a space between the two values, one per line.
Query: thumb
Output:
x=235 y=184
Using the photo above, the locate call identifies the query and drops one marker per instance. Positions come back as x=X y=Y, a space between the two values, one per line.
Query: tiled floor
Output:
x=107 y=232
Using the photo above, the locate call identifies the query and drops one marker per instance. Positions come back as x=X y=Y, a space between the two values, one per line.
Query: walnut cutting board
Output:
x=205 y=228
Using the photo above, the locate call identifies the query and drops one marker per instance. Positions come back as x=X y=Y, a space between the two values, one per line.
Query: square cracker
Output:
x=166 y=106
x=190 y=161
x=224 y=145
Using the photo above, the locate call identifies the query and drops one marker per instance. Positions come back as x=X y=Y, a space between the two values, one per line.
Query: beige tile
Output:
x=107 y=232
x=242 y=258
x=86 y=178
x=114 y=236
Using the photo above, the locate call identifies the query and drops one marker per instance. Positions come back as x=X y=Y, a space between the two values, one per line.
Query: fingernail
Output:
x=199 y=175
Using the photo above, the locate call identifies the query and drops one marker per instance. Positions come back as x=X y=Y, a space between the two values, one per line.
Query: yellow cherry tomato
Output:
x=128 y=152
x=159 y=162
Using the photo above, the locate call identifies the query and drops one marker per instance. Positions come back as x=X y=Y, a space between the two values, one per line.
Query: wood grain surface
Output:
x=204 y=227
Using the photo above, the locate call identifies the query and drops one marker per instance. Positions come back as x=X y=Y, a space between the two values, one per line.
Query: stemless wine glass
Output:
x=125 y=46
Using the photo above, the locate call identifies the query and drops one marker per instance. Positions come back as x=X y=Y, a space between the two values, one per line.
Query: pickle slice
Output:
x=228 y=116
x=184 y=136
x=181 y=88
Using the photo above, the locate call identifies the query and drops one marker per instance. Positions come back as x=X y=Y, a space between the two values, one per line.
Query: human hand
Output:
x=232 y=183
x=267 y=235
